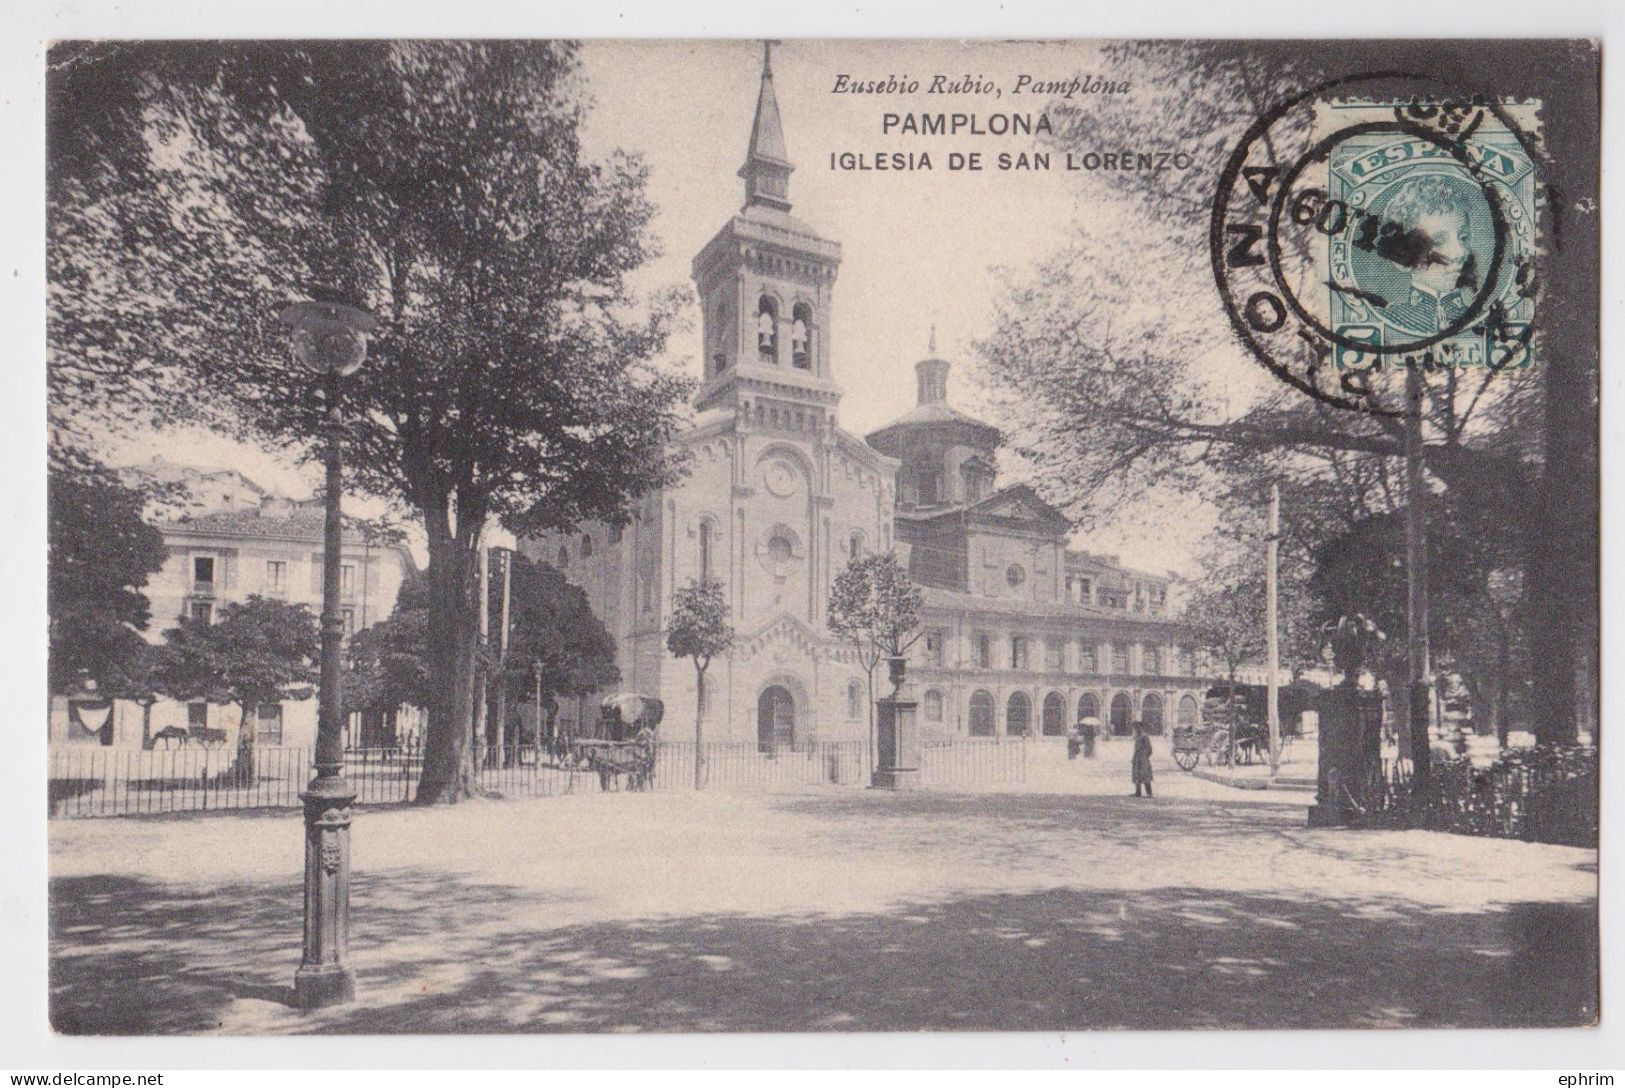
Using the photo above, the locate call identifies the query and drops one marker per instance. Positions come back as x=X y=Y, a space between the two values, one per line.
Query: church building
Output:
x=1023 y=634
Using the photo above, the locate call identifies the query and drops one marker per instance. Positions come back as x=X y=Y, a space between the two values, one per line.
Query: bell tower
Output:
x=766 y=285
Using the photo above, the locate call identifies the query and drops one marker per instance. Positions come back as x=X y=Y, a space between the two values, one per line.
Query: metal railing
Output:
x=90 y=782
x=990 y=761
x=1539 y=795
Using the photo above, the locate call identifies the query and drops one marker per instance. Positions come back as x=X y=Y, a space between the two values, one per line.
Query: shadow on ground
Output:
x=133 y=957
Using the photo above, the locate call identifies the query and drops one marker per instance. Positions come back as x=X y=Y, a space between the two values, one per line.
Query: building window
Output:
x=197 y=715
x=984 y=651
x=854 y=701
x=202 y=612
x=203 y=571
x=1018 y=715
x=1019 y=658
x=981 y=714
x=1054 y=655
x=1151 y=713
x=801 y=333
x=930 y=483
x=1015 y=575
x=347 y=579
x=276 y=575
x=1054 y=723
x=1151 y=660
x=973 y=485
x=1088 y=656
x=1189 y=713
x=348 y=615
x=933 y=647
x=705 y=551
x=1119 y=657
x=854 y=544
x=268 y=724
x=767 y=329
x=586 y=547
x=933 y=705
x=1086 y=591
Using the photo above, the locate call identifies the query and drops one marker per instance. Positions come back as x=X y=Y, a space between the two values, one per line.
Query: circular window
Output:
x=1015 y=575
x=779 y=551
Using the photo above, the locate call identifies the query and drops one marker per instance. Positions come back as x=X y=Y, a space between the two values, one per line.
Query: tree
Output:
x=1113 y=398
x=100 y=554
x=389 y=661
x=259 y=652
x=875 y=606
x=444 y=186
x=557 y=646
x=700 y=630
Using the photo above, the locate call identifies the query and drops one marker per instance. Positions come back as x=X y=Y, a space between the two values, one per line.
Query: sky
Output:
x=919 y=249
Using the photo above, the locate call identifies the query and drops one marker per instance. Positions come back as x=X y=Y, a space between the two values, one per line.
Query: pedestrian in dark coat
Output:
x=1142 y=761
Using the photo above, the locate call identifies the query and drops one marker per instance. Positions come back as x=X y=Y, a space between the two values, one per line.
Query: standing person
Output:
x=1141 y=766
x=1087 y=731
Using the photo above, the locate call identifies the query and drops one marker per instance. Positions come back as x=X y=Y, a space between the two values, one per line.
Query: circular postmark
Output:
x=1375 y=224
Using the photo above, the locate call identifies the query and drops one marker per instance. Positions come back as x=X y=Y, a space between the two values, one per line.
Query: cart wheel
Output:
x=1186 y=758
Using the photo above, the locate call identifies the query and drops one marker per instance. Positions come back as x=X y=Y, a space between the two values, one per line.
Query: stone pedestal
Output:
x=899 y=738
x=324 y=976
x=1350 y=772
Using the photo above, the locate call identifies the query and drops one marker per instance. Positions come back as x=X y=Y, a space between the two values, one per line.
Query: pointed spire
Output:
x=767 y=163
x=931 y=348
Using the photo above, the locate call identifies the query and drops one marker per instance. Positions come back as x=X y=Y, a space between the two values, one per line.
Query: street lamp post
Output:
x=330 y=338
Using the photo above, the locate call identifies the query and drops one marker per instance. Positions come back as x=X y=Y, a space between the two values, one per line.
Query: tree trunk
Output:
x=1560 y=552
x=699 y=717
x=449 y=772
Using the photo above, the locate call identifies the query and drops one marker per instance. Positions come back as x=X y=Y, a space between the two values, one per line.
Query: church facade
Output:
x=778 y=498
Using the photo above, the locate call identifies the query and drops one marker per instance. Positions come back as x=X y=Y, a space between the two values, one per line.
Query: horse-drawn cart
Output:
x=628 y=747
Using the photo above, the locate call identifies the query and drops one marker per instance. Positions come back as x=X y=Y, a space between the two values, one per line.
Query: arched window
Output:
x=564 y=557
x=1189 y=712
x=933 y=705
x=1088 y=706
x=984 y=651
x=586 y=547
x=1054 y=715
x=854 y=544
x=1151 y=713
x=705 y=551
x=854 y=700
x=981 y=714
x=801 y=334
x=767 y=329
x=719 y=339
x=1018 y=715
x=1122 y=714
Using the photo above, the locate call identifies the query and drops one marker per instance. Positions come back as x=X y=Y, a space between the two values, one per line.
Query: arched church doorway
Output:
x=775 y=718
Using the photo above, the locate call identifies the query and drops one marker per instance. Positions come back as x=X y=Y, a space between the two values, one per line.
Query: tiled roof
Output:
x=252 y=524
x=934 y=412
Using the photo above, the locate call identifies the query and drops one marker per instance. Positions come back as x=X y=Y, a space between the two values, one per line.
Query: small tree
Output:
x=875 y=606
x=699 y=630
x=555 y=643
x=260 y=651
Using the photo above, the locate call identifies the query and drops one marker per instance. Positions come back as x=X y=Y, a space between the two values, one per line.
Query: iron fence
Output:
x=1543 y=794
x=88 y=782
x=992 y=761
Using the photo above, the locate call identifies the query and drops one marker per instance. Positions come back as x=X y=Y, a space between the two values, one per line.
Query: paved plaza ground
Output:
x=1065 y=904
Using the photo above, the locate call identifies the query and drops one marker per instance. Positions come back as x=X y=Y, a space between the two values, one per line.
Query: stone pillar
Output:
x=1350 y=769
x=899 y=756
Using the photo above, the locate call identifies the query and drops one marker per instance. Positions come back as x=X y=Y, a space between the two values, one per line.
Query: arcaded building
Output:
x=1023 y=634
